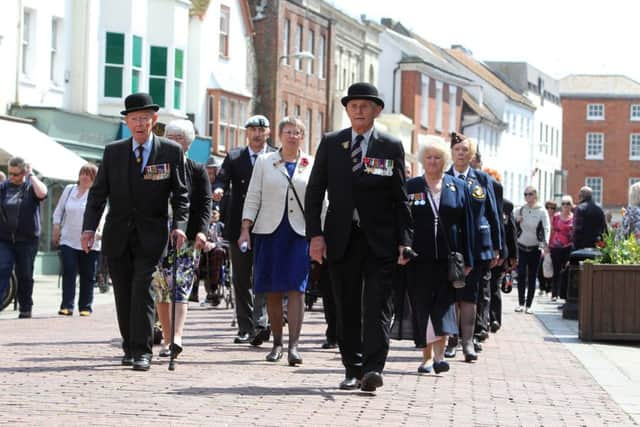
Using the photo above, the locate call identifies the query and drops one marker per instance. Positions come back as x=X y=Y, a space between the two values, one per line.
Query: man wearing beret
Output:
x=367 y=229
x=138 y=176
x=233 y=182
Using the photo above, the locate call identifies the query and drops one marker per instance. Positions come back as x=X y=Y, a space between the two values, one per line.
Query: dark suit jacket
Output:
x=136 y=204
x=510 y=231
x=485 y=214
x=455 y=217
x=199 y=199
x=381 y=200
x=233 y=177
x=588 y=224
x=497 y=191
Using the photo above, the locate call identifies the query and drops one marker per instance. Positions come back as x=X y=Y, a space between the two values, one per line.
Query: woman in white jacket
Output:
x=533 y=224
x=273 y=211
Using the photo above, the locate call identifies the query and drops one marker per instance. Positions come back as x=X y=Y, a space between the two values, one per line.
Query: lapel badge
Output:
x=478 y=192
x=451 y=186
x=345 y=144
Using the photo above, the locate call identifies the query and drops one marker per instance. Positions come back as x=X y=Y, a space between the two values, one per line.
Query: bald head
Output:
x=585 y=193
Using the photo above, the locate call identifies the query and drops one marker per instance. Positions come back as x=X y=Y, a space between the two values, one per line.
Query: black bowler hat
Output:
x=363 y=91
x=137 y=102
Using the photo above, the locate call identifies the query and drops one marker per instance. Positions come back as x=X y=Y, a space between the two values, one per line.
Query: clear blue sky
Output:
x=559 y=37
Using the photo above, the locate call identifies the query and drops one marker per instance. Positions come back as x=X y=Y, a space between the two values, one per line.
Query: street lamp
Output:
x=297 y=55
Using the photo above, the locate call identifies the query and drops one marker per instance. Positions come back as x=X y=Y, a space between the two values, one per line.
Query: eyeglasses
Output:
x=140 y=119
x=15 y=173
x=296 y=134
x=529 y=194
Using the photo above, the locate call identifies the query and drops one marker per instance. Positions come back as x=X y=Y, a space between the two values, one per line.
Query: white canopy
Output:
x=46 y=156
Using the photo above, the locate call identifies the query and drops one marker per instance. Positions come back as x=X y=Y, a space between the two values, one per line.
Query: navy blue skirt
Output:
x=281 y=260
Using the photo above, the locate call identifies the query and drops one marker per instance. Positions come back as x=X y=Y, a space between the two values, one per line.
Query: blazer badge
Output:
x=478 y=193
x=345 y=144
x=157 y=172
x=382 y=167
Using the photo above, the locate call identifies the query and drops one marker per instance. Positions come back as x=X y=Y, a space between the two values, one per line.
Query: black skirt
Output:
x=431 y=296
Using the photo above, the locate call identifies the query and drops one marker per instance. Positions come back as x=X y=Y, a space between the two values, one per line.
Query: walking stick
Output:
x=174 y=274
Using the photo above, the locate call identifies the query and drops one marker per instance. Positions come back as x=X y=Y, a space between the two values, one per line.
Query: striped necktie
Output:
x=356 y=153
x=140 y=150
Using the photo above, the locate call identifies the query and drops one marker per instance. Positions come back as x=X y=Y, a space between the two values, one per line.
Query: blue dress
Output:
x=281 y=259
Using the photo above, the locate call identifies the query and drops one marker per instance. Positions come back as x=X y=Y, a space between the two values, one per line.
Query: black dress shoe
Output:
x=329 y=344
x=141 y=363
x=275 y=354
x=441 y=366
x=262 y=336
x=175 y=350
x=495 y=326
x=482 y=336
x=371 y=381
x=127 y=360
x=477 y=346
x=350 y=383
x=242 y=338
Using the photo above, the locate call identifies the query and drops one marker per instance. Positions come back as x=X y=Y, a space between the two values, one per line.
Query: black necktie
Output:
x=139 y=149
x=356 y=153
x=461 y=176
x=253 y=158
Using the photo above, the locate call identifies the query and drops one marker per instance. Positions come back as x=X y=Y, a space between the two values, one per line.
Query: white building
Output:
x=543 y=91
x=507 y=146
x=221 y=70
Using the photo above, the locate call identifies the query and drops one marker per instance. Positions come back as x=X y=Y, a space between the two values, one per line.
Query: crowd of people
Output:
x=433 y=251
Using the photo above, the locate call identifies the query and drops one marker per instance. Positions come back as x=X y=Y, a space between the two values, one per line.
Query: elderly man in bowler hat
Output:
x=233 y=182
x=366 y=231
x=138 y=177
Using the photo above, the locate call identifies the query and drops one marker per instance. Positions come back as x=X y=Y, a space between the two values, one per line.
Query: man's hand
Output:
x=218 y=194
x=317 y=249
x=401 y=259
x=178 y=237
x=201 y=241
x=467 y=270
x=86 y=240
x=495 y=259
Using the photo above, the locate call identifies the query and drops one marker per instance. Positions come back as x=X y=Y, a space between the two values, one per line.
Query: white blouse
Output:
x=69 y=213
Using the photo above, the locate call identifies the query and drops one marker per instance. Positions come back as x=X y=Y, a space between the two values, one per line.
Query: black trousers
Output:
x=328 y=304
x=361 y=285
x=484 y=297
x=495 y=306
x=559 y=258
x=251 y=309
x=131 y=277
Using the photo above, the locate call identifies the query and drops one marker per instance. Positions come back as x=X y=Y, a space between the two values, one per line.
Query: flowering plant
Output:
x=617 y=249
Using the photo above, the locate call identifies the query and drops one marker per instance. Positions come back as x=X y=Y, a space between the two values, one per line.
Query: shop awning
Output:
x=47 y=157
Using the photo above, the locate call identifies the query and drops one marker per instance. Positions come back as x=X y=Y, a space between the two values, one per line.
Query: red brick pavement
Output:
x=65 y=371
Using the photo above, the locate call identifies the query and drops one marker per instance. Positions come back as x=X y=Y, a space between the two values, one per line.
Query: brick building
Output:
x=291 y=84
x=601 y=135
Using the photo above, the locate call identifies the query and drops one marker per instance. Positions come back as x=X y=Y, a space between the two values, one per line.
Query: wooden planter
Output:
x=609 y=302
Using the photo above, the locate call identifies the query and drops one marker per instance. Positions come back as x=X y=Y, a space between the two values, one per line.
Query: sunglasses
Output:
x=566 y=204
x=15 y=173
x=529 y=194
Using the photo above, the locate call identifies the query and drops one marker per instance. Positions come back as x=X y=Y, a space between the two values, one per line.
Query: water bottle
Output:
x=244 y=247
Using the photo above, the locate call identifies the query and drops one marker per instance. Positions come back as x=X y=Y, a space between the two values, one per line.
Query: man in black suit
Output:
x=588 y=222
x=232 y=181
x=367 y=228
x=138 y=176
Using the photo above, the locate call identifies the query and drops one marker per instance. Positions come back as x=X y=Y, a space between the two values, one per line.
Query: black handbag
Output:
x=455 y=260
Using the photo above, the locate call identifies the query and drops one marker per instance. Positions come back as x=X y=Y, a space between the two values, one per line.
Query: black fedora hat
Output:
x=363 y=90
x=138 y=101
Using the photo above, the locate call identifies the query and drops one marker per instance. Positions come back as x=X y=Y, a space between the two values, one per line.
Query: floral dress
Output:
x=162 y=278
x=631 y=222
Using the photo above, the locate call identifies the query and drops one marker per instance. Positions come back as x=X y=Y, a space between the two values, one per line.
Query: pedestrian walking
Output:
x=233 y=181
x=561 y=246
x=67 y=229
x=138 y=177
x=20 y=198
x=589 y=223
x=367 y=228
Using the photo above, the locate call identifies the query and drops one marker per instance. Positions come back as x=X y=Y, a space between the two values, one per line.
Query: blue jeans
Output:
x=20 y=255
x=74 y=262
x=528 y=264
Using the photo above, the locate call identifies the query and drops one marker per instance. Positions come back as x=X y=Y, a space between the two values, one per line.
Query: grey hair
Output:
x=436 y=143
x=586 y=193
x=17 y=162
x=183 y=126
x=634 y=194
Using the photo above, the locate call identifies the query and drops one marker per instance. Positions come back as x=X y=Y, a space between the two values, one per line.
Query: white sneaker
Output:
x=519 y=309
x=529 y=310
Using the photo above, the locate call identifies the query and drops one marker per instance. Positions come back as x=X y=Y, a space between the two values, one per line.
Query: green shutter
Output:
x=135 y=81
x=115 y=48
x=177 y=95
x=156 y=90
x=136 y=58
x=158 y=62
x=113 y=81
x=179 y=62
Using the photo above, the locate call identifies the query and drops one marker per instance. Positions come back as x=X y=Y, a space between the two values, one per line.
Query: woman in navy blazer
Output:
x=439 y=205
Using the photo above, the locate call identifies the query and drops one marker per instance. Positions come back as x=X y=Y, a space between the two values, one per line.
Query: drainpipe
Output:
x=393 y=93
x=19 y=48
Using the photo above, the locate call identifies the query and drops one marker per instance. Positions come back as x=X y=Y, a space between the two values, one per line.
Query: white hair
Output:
x=437 y=143
x=634 y=194
x=183 y=126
